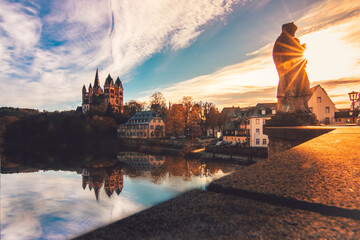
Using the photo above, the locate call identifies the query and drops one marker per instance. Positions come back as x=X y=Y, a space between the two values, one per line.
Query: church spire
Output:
x=96 y=82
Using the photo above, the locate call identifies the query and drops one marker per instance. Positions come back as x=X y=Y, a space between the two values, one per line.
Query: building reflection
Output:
x=111 y=178
x=159 y=166
x=141 y=161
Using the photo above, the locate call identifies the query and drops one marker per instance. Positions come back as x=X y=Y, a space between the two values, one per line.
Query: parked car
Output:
x=218 y=144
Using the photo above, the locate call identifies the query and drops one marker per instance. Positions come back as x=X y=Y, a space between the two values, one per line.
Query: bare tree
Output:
x=157 y=103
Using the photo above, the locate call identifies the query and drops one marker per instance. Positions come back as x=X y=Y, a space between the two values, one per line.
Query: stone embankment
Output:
x=309 y=191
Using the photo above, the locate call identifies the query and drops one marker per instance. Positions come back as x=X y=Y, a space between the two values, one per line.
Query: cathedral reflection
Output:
x=109 y=175
x=111 y=178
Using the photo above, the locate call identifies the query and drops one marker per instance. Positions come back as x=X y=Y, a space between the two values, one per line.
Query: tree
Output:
x=205 y=110
x=158 y=104
x=133 y=106
x=157 y=99
x=213 y=118
x=175 y=120
x=187 y=103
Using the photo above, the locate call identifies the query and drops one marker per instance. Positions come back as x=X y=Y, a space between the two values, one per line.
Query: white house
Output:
x=258 y=117
x=321 y=105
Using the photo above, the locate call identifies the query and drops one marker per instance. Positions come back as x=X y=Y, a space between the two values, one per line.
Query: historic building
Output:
x=99 y=99
x=237 y=124
x=258 y=117
x=145 y=124
x=321 y=105
x=246 y=124
x=112 y=179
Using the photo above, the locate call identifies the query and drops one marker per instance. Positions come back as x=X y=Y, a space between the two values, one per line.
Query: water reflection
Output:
x=83 y=195
x=112 y=178
x=141 y=161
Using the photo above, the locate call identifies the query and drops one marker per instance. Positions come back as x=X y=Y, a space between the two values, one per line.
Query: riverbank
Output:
x=192 y=148
x=309 y=191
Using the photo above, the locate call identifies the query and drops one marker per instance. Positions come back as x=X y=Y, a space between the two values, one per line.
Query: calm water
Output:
x=60 y=204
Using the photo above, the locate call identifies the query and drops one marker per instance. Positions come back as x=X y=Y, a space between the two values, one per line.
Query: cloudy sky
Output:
x=212 y=50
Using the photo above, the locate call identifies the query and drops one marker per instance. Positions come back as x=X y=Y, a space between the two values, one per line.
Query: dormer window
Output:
x=263 y=112
x=273 y=111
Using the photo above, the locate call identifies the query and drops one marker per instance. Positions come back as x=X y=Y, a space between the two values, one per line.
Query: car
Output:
x=218 y=144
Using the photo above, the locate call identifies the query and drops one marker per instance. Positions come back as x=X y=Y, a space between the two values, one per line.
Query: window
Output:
x=327 y=109
x=258 y=131
x=159 y=120
x=154 y=120
x=264 y=121
x=257 y=141
x=264 y=141
x=257 y=121
x=151 y=126
x=273 y=111
x=263 y=112
x=327 y=120
x=319 y=99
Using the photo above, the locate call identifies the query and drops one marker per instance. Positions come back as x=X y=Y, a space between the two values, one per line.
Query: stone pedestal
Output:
x=292 y=119
x=284 y=138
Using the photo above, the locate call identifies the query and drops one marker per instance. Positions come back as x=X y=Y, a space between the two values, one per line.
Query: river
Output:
x=43 y=202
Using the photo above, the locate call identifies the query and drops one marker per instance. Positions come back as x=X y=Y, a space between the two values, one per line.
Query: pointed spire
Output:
x=118 y=191
x=84 y=183
x=90 y=86
x=84 y=88
x=96 y=81
x=96 y=190
x=108 y=192
x=109 y=81
x=118 y=83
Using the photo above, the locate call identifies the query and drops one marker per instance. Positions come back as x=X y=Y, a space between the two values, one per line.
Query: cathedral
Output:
x=98 y=99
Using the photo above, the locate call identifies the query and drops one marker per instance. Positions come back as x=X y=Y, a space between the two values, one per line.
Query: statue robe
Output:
x=294 y=86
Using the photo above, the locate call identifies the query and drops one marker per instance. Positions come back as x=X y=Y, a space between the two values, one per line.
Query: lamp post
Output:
x=353 y=95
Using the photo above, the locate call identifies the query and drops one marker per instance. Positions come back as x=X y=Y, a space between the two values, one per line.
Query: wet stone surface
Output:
x=207 y=215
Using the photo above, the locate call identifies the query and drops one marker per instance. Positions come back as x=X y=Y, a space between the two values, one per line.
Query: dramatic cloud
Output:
x=49 y=50
x=239 y=84
x=142 y=28
x=56 y=50
x=331 y=31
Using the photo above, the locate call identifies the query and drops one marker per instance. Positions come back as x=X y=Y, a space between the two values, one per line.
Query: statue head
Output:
x=290 y=28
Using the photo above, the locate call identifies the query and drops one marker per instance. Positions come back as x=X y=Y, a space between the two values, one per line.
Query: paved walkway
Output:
x=309 y=191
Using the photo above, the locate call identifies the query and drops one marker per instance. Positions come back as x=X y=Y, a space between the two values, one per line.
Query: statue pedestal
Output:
x=286 y=130
x=282 y=119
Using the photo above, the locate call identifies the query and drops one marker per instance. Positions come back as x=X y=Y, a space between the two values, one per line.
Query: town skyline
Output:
x=215 y=52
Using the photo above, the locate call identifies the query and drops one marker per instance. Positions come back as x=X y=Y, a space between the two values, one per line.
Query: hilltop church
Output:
x=98 y=99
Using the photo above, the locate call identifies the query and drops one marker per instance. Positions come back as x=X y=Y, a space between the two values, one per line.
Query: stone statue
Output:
x=294 y=86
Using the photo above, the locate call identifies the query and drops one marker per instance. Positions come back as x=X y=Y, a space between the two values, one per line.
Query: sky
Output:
x=211 y=50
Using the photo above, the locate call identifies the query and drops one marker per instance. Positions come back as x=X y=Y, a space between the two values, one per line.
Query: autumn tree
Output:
x=187 y=103
x=213 y=118
x=205 y=110
x=194 y=122
x=175 y=120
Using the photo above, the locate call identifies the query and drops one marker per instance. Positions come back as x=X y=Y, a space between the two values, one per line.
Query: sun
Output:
x=327 y=55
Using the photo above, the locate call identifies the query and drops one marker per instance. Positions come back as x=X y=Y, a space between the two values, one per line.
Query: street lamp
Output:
x=353 y=95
